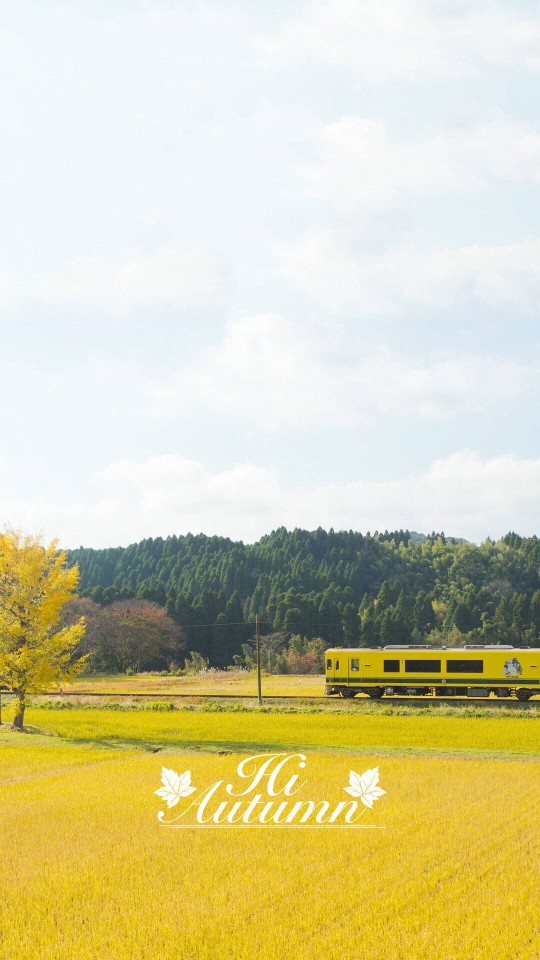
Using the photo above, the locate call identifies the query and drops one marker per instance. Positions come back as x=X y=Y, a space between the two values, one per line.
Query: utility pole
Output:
x=258 y=638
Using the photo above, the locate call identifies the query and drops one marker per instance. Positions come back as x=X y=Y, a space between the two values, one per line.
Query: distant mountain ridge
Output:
x=422 y=537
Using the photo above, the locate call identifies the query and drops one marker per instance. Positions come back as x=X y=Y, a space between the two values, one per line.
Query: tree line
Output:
x=344 y=587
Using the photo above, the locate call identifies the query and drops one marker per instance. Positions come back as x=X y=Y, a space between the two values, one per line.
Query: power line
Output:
x=248 y=623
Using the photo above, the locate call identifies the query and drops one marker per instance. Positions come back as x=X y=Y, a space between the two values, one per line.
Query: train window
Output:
x=465 y=666
x=355 y=665
x=328 y=664
x=337 y=664
x=422 y=666
x=391 y=666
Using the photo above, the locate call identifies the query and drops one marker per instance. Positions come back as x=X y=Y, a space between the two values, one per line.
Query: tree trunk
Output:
x=20 y=705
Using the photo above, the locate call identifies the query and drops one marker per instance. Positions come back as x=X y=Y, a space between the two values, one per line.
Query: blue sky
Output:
x=269 y=264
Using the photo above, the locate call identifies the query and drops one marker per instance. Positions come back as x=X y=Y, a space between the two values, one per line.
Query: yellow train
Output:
x=473 y=671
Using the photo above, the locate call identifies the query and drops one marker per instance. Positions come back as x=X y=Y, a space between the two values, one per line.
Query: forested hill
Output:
x=345 y=587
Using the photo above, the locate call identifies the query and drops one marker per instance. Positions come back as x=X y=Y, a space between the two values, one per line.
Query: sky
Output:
x=269 y=264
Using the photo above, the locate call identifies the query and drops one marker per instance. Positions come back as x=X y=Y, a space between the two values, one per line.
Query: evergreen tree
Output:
x=310 y=580
x=350 y=625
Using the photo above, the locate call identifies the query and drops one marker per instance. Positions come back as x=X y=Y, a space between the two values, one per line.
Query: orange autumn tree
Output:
x=35 y=651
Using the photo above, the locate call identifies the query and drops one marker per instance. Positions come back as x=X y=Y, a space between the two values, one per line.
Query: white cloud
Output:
x=462 y=493
x=360 y=164
x=282 y=375
x=440 y=388
x=265 y=368
x=132 y=499
x=342 y=272
x=169 y=277
x=170 y=486
x=407 y=39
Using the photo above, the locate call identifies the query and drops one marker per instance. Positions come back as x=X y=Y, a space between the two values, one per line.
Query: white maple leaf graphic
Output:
x=174 y=786
x=364 y=786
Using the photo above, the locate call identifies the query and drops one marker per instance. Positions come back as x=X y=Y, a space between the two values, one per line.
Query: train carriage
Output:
x=473 y=671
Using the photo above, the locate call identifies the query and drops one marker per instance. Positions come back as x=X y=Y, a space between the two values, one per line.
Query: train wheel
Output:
x=523 y=694
x=375 y=694
x=347 y=693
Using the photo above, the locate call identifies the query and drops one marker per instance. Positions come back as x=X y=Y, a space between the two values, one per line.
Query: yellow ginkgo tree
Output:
x=35 y=583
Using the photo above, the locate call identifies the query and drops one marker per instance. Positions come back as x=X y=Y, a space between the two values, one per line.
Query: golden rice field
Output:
x=193 y=729
x=212 y=682
x=88 y=872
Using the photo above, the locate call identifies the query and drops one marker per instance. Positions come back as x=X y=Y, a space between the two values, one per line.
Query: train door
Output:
x=354 y=669
x=329 y=668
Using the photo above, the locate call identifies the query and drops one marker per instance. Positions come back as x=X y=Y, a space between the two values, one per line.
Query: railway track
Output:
x=494 y=703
